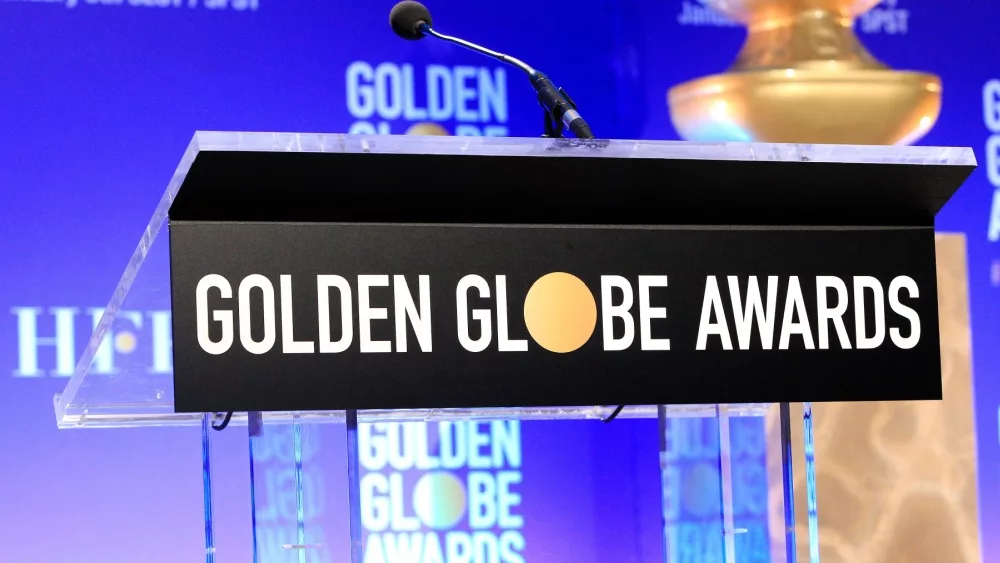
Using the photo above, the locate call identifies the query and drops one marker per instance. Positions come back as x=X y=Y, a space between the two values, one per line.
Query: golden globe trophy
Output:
x=802 y=76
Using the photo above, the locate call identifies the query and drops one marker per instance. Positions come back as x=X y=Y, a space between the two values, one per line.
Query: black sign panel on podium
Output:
x=275 y=310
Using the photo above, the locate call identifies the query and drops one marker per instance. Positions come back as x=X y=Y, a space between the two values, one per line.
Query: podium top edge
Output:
x=223 y=141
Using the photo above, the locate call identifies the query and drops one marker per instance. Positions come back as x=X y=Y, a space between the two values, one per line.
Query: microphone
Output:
x=412 y=21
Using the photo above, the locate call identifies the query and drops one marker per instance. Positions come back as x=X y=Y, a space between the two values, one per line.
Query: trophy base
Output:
x=826 y=106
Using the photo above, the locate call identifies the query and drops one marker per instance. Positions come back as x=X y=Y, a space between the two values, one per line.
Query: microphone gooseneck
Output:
x=425 y=29
x=412 y=20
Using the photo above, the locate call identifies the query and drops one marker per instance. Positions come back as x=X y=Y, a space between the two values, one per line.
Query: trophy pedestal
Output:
x=802 y=76
x=835 y=106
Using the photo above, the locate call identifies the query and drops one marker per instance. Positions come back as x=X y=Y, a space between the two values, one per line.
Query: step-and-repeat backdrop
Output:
x=99 y=98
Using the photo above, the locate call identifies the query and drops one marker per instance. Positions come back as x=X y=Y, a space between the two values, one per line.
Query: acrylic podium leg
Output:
x=810 y=469
x=726 y=482
x=787 y=479
x=206 y=476
x=354 y=486
x=726 y=485
x=790 y=428
x=298 y=498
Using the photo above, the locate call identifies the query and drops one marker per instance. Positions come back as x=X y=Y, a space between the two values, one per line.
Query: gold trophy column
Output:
x=802 y=76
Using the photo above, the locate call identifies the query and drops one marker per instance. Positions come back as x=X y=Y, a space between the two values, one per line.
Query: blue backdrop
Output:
x=99 y=98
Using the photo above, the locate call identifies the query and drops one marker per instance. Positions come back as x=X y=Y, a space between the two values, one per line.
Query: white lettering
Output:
x=744 y=317
x=224 y=318
x=288 y=343
x=453 y=444
x=425 y=460
x=907 y=283
x=367 y=314
x=373 y=451
x=478 y=439
x=504 y=343
x=256 y=281
x=506 y=443
x=795 y=307
x=375 y=510
x=388 y=91
x=374 y=552
x=400 y=439
x=991 y=118
x=481 y=315
x=712 y=304
x=511 y=545
x=28 y=341
x=403 y=548
x=863 y=341
x=464 y=94
x=420 y=320
x=482 y=500
x=647 y=313
x=400 y=521
x=826 y=315
x=493 y=95
x=991 y=105
x=162 y=342
x=485 y=546
x=506 y=499
x=993 y=231
x=360 y=93
x=993 y=160
x=411 y=111
x=440 y=102
x=458 y=546
x=610 y=311
x=432 y=549
x=323 y=285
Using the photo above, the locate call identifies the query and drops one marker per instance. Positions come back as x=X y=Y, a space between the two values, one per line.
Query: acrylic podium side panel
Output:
x=717 y=485
x=124 y=375
x=688 y=486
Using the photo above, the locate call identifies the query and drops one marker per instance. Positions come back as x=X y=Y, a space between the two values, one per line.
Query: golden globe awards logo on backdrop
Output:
x=441 y=492
x=49 y=341
x=690 y=477
x=390 y=98
x=233 y=5
x=278 y=485
x=991 y=119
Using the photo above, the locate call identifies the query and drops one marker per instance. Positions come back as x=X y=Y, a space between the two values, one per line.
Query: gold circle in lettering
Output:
x=125 y=342
x=560 y=312
x=439 y=500
x=427 y=128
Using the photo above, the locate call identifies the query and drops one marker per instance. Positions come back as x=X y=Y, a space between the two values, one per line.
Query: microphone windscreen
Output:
x=406 y=17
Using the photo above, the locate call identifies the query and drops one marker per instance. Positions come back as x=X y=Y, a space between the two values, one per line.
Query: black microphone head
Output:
x=406 y=17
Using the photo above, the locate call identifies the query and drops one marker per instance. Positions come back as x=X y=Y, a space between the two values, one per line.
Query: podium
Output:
x=379 y=319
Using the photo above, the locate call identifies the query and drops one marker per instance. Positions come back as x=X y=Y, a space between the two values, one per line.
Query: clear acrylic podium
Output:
x=391 y=485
